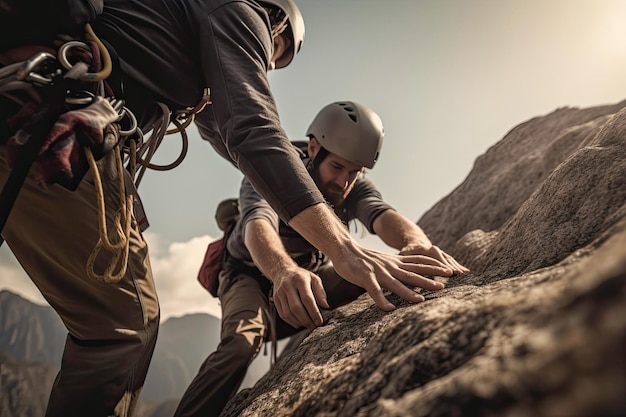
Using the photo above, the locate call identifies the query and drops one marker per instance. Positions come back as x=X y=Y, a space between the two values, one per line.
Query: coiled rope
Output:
x=21 y=78
x=123 y=218
x=122 y=221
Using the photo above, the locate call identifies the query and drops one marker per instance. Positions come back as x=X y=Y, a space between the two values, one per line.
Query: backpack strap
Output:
x=61 y=96
x=40 y=123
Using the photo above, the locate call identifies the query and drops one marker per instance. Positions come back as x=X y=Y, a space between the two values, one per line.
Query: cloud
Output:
x=14 y=279
x=174 y=268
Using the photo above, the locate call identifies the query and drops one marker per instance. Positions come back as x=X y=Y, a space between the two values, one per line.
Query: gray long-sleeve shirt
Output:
x=170 y=50
x=364 y=203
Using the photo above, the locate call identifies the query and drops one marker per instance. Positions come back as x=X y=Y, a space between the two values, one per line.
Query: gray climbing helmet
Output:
x=349 y=130
x=295 y=29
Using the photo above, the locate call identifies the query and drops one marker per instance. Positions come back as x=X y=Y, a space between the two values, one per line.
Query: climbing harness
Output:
x=66 y=88
x=42 y=122
x=273 y=331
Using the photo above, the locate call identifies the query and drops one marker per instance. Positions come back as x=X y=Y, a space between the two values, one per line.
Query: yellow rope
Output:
x=122 y=220
x=107 y=64
x=117 y=266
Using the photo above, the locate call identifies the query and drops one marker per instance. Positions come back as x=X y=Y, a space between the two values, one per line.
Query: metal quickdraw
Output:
x=57 y=87
x=61 y=86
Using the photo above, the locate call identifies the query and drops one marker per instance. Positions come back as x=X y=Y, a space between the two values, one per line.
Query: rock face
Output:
x=537 y=328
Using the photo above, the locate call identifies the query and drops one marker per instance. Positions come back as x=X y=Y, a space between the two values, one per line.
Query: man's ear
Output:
x=280 y=45
x=314 y=147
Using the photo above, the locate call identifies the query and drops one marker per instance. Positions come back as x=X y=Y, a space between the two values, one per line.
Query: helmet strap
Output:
x=319 y=157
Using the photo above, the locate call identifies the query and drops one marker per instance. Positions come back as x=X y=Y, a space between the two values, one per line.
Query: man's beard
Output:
x=333 y=193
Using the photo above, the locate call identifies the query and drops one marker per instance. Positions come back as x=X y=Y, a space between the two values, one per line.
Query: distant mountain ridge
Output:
x=182 y=345
x=22 y=380
x=32 y=338
x=30 y=332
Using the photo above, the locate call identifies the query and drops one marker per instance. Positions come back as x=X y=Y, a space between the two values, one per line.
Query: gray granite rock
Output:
x=537 y=328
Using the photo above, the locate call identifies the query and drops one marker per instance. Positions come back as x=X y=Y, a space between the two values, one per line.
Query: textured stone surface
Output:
x=537 y=328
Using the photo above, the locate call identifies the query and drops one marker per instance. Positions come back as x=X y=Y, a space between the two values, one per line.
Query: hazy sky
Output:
x=449 y=78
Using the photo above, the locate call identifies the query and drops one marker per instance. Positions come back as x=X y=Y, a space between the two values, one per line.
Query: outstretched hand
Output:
x=298 y=293
x=372 y=270
x=375 y=271
x=435 y=253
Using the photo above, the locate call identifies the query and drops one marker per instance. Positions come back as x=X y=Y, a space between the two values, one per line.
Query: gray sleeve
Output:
x=242 y=122
x=251 y=206
x=366 y=203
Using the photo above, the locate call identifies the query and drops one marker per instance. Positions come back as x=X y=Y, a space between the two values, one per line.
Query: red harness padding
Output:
x=212 y=264
x=38 y=126
x=62 y=146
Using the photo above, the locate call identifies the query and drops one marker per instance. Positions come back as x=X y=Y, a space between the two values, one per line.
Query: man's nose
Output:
x=343 y=179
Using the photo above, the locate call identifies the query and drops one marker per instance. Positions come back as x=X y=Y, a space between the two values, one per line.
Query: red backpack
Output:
x=226 y=215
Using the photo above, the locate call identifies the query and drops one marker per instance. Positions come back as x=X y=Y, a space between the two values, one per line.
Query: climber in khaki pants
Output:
x=112 y=327
x=266 y=259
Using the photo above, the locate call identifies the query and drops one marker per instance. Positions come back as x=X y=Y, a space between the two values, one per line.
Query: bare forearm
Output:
x=266 y=249
x=399 y=232
x=367 y=268
x=296 y=291
x=321 y=227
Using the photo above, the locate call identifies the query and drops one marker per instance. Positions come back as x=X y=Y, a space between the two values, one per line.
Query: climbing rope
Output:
x=20 y=81
x=116 y=267
x=104 y=53
x=123 y=218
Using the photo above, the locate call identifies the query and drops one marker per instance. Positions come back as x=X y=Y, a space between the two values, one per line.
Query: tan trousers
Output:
x=112 y=327
x=245 y=325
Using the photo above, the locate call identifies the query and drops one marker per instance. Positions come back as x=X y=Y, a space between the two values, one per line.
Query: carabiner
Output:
x=133 y=122
x=33 y=63
x=62 y=53
x=80 y=98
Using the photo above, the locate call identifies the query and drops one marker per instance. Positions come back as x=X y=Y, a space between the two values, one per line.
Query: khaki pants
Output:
x=112 y=327
x=246 y=321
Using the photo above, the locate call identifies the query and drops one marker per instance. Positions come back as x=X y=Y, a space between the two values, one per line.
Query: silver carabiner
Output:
x=133 y=122
x=33 y=63
x=81 y=98
x=33 y=77
x=62 y=53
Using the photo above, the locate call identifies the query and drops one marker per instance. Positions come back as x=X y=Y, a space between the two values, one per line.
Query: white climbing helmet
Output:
x=295 y=29
x=349 y=130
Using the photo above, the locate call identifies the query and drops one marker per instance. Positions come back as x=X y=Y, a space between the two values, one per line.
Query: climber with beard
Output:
x=84 y=104
x=265 y=258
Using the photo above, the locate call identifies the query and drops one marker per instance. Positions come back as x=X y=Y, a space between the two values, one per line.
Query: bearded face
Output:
x=335 y=177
